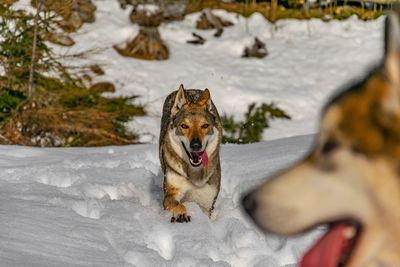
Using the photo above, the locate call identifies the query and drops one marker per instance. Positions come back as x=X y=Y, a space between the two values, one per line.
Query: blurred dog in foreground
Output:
x=190 y=138
x=350 y=181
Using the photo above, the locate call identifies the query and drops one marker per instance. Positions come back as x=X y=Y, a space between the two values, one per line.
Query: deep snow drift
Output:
x=102 y=207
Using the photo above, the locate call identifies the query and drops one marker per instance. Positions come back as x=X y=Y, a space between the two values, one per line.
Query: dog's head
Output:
x=194 y=124
x=350 y=181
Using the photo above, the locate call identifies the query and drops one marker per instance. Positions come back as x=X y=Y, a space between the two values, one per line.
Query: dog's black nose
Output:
x=249 y=203
x=195 y=144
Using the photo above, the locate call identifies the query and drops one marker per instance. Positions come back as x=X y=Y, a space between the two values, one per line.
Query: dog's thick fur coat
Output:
x=190 y=138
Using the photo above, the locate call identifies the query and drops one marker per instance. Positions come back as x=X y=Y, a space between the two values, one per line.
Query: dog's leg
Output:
x=206 y=195
x=174 y=190
x=215 y=181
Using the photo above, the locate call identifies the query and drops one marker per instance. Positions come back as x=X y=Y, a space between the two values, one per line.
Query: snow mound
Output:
x=102 y=207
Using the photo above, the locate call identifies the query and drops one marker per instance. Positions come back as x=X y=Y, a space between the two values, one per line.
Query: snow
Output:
x=307 y=62
x=102 y=206
x=149 y=9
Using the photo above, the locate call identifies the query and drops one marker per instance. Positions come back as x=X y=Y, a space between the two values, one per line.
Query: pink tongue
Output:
x=327 y=252
x=204 y=158
x=203 y=155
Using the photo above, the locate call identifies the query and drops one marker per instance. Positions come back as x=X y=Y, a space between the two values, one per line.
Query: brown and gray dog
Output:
x=190 y=138
x=350 y=181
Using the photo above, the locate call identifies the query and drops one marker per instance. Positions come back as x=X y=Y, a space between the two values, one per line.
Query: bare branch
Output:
x=34 y=44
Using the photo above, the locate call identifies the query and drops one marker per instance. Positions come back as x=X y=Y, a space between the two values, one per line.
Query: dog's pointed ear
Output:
x=205 y=101
x=180 y=100
x=392 y=49
x=204 y=98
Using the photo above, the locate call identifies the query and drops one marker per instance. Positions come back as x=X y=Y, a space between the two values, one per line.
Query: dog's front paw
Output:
x=179 y=214
x=180 y=219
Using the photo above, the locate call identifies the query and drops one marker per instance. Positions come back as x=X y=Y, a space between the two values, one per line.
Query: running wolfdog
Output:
x=190 y=138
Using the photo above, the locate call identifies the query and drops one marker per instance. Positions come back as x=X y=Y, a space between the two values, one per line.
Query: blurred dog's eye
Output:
x=356 y=150
x=329 y=146
x=205 y=126
x=184 y=126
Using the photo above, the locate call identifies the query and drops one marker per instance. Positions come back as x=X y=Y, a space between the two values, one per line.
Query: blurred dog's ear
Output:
x=391 y=59
x=391 y=65
x=180 y=100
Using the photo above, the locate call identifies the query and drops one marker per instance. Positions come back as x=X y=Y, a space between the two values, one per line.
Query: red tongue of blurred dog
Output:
x=328 y=251
x=203 y=155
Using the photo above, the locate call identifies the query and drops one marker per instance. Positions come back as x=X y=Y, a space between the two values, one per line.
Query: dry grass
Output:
x=71 y=116
x=265 y=8
x=51 y=126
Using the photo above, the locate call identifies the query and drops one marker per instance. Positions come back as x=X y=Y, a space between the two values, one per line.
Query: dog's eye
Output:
x=356 y=150
x=184 y=126
x=329 y=146
x=205 y=126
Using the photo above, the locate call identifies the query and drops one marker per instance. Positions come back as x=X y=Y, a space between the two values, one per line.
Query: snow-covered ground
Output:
x=307 y=61
x=102 y=206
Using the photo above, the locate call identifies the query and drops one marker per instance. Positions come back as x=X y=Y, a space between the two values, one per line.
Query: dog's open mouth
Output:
x=198 y=158
x=335 y=247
